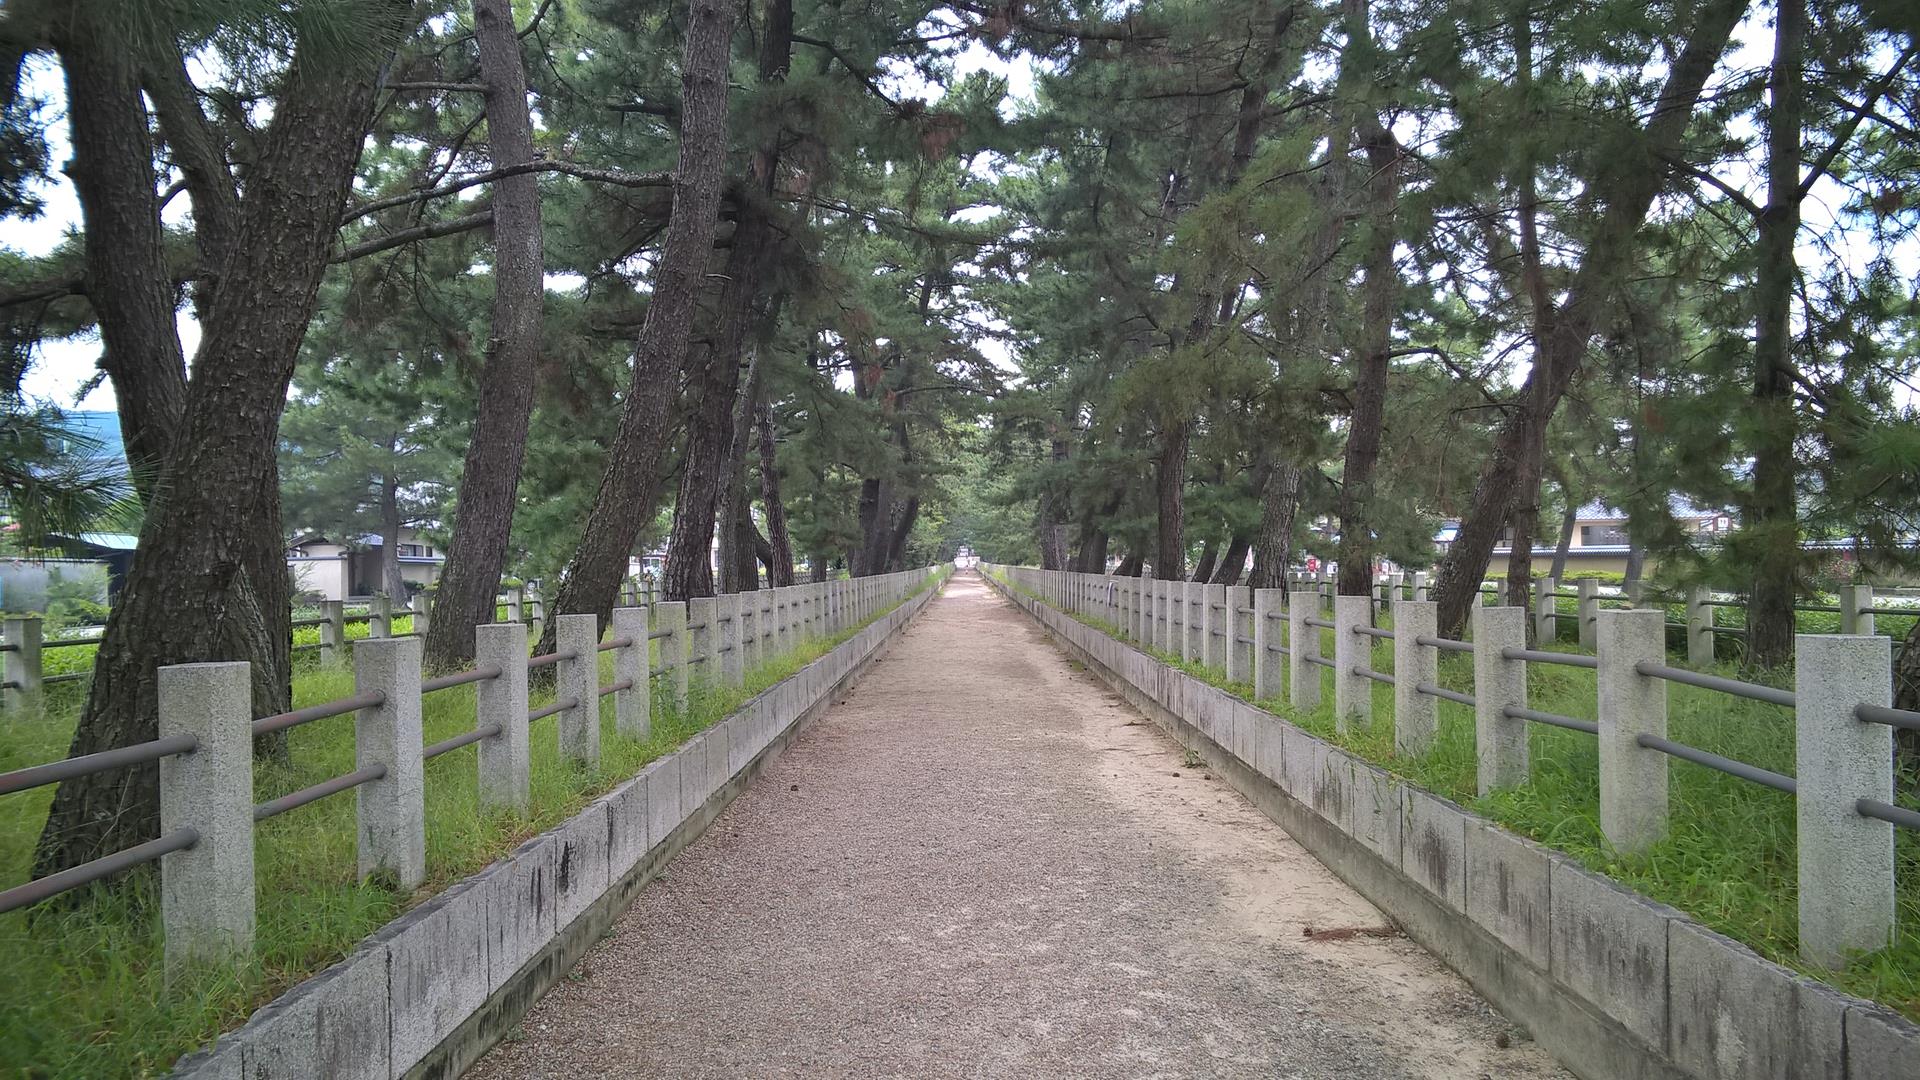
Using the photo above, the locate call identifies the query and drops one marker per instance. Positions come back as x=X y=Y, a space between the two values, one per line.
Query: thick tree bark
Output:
x=1625 y=189
x=902 y=532
x=1203 y=570
x=1771 y=513
x=1379 y=290
x=1568 y=517
x=629 y=483
x=744 y=551
x=1054 y=503
x=496 y=449
x=125 y=267
x=779 y=540
x=1273 y=544
x=738 y=571
x=204 y=526
x=1169 y=484
x=1234 y=562
x=1130 y=566
x=391 y=581
x=713 y=378
x=132 y=297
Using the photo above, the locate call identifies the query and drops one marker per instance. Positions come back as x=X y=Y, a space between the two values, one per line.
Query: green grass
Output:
x=1730 y=857
x=84 y=993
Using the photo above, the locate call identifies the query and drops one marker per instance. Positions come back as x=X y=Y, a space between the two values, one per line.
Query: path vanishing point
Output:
x=981 y=862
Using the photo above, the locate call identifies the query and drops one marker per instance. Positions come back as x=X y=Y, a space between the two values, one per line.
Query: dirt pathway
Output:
x=983 y=863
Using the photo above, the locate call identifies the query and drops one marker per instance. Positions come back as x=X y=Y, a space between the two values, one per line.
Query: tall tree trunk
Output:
x=1771 y=514
x=496 y=449
x=1568 y=518
x=1234 y=562
x=713 y=379
x=744 y=551
x=1636 y=565
x=204 y=525
x=1054 y=507
x=391 y=581
x=738 y=570
x=1379 y=290
x=1130 y=566
x=780 y=570
x=132 y=297
x=1169 y=483
x=1203 y=569
x=629 y=482
x=902 y=532
x=1273 y=544
x=1625 y=188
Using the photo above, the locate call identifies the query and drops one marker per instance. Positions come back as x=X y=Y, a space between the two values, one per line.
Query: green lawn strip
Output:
x=85 y=995
x=1730 y=859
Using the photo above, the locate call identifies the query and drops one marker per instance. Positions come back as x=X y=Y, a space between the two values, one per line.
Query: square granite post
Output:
x=207 y=890
x=1633 y=778
x=391 y=811
x=577 y=679
x=502 y=700
x=1846 y=858
x=1416 y=716
x=1303 y=646
x=1500 y=741
x=1352 y=650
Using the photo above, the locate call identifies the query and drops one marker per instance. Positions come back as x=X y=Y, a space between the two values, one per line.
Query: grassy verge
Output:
x=1730 y=857
x=85 y=995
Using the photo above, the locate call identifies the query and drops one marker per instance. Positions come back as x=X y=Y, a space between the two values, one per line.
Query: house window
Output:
x=1602 y=536
x=410 y=550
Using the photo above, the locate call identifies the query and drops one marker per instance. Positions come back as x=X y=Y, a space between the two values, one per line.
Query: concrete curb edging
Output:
x=1610 y=982
x=433 y=990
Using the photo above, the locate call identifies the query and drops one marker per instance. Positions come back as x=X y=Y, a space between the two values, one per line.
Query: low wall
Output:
x=431 y=991
x=1610 y=982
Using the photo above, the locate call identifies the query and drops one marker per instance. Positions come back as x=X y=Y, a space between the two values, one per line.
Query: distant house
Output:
x=1600 y=541
x=338 y=571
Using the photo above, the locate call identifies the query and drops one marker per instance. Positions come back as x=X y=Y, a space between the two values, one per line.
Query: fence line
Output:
x=205 y=749
x=22 y=645
x=1841 y=701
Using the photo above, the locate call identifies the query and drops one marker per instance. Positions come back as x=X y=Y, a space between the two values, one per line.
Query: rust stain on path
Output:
x=981 y=863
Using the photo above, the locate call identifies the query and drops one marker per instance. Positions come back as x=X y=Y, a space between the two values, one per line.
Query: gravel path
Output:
x=982 y=863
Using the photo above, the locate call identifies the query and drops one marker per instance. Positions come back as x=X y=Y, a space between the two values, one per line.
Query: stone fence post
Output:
x=1589 y=611
x=1633 y=778
x=1216 y=626
x=577 y=678
x=379 y=616
x=1500 y=741
x=207 y=890
x=1416 y=716
x=422 y=613
x=1856 y=609
x=1846 y=858
x=702 y=631
x=1239 y=634
x=1699 y=628
x=333 y=633
x=671 y=617
x=1303 y=646
x=1352 y=693
x=502 y=700
x=1546 y=604
x=1267 y=659
x=23 y=662
x=391 y=811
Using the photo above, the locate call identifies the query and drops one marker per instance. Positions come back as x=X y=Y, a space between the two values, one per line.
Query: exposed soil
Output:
x=984 y=863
